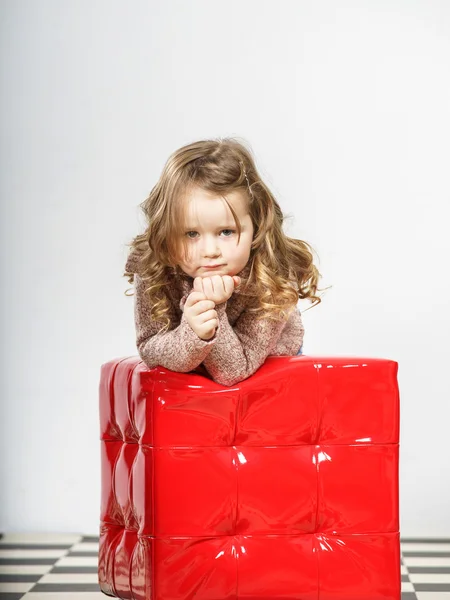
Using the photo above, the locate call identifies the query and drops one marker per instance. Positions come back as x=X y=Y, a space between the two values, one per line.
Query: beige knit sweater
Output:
x=239 y=347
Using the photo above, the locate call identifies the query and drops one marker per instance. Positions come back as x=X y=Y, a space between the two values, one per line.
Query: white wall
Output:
x=346 y=106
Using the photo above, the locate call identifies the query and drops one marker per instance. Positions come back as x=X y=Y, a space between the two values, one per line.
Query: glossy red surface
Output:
x=284 y=486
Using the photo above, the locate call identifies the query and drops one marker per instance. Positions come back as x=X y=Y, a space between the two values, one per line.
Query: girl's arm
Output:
x=178 y=349
x=241 y=349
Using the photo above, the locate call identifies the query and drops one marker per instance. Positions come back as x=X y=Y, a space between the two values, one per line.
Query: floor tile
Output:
x=16 y=587
x=433 y=596
x=24 y=569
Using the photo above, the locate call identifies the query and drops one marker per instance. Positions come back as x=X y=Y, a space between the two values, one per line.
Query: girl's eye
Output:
x=191 y=237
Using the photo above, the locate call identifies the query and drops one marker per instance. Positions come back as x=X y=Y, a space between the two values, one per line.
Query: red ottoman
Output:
x=284 y=486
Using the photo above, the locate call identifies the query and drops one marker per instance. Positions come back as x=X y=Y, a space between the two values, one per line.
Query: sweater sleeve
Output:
x=179 y=349
x=241 y=349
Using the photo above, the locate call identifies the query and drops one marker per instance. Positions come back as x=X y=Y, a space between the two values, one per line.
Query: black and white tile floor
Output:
x=64 y=567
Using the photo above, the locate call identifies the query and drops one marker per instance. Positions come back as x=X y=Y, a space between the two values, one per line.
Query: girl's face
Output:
x=212 y=237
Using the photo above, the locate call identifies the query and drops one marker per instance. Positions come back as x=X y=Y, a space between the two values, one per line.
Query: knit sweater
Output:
x=239 y=346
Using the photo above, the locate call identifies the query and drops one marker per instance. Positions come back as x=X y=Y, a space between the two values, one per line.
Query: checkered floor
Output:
x=64 y=567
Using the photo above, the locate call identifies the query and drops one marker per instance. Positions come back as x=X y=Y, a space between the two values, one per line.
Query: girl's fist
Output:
x=217 y=288
x=201 y=315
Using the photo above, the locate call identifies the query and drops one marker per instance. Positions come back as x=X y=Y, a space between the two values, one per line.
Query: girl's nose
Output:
x=210 y=247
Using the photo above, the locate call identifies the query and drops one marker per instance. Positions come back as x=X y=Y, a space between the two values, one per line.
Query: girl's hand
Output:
x=217 y=288
x=201 y=315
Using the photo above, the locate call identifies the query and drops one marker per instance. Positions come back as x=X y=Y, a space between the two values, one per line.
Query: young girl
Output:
x=216 y=280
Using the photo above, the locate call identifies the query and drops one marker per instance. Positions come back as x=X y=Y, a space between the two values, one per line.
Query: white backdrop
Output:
x=347 y=109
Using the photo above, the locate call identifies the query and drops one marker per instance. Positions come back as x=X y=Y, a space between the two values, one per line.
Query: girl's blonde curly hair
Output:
x=281 y=268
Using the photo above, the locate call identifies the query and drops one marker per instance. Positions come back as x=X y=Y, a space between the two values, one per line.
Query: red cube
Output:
x=284 y=486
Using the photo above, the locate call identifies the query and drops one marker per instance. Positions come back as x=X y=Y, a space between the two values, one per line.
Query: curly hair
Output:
x=281 y=268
